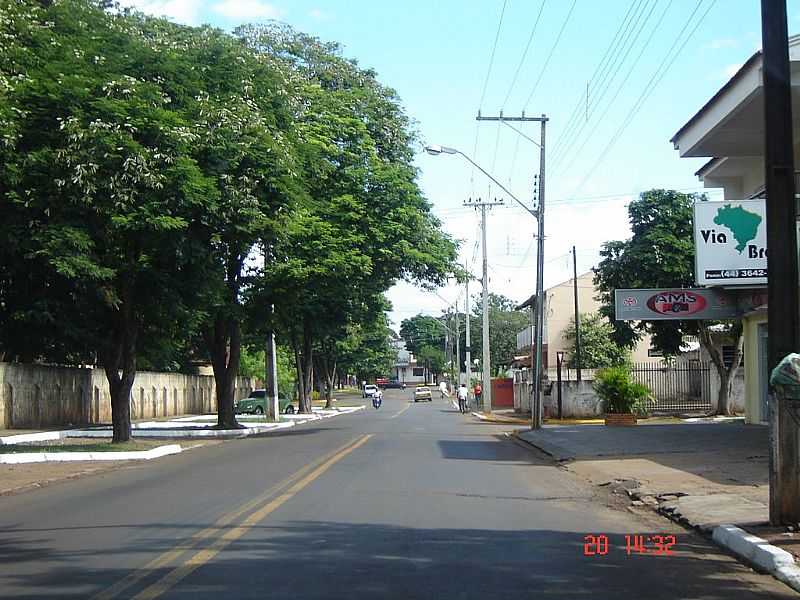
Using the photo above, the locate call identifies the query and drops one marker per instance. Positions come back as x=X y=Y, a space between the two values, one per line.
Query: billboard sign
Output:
x=674 y=304
x=730 y=243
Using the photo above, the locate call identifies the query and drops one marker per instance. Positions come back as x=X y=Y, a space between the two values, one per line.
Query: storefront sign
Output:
x=674 y=304
x=730 y=242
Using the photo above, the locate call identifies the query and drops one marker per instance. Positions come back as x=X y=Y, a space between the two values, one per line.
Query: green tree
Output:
x=504 y=324
x=660 y=254
x=422 y=330
x=98 y=171
x=364 y=223
x=432 y=358
x=598 y=348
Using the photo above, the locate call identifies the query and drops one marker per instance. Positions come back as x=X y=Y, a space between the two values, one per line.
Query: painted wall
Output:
x=33 y=396
x=752 y=374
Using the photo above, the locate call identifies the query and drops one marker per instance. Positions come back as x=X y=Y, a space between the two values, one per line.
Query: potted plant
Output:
x=622 y=397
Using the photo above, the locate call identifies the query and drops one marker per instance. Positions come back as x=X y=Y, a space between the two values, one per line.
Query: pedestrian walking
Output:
x=443 y=390
x=462 y=398
x=477 y=390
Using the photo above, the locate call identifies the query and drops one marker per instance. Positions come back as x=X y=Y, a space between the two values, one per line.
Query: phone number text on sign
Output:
x=654 y=544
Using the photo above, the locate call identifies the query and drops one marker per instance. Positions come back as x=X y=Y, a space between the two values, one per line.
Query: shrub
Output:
x=619 y=393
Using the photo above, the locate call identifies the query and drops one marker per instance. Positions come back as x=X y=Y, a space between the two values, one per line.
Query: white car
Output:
x=370 y=390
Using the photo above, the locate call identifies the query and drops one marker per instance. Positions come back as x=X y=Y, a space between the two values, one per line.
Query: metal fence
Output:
x=676 y=388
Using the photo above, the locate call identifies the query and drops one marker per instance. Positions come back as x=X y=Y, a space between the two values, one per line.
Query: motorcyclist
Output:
x=377 y=399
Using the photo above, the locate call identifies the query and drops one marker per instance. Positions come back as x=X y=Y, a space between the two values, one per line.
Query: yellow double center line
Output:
x=296 y=482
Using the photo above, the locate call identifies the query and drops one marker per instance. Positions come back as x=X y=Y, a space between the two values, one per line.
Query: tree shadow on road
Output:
x=309 y=560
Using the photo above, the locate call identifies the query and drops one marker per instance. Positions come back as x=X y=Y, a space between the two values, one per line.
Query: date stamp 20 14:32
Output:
x=653 y=544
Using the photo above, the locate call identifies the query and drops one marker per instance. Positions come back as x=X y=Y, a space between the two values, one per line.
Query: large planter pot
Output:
x=620 y=420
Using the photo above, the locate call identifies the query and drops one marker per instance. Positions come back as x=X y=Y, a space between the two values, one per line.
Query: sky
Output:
x=649 y=65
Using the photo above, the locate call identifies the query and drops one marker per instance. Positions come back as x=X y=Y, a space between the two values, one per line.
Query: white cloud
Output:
x=318 y=14
x=182 y=11
x=247 y=9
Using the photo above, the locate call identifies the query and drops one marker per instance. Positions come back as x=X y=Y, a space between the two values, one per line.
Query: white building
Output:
x=729 y=131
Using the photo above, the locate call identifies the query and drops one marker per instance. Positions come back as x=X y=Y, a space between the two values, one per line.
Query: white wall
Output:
x=34 y=396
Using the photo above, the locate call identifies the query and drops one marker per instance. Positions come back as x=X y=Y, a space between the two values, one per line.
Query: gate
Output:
x=676 y=388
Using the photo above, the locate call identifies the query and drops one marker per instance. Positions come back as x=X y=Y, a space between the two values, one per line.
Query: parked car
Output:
x=370 y=390
x=382 y=381
x=423 y=393
x=394 y=384
x=256 y=403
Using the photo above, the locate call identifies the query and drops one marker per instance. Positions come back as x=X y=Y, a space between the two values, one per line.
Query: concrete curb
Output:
x=168 y=429
x=36 y=457
x=760 y=553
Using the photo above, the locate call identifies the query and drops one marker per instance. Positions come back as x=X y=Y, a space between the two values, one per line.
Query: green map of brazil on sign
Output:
x=742 y=223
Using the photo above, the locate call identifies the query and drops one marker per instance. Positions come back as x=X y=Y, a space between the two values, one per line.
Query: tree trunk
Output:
x=329 y=373
x=224 y=344
x=119 y=364
x=726 y=375
x=301 y=390
x=307 y=361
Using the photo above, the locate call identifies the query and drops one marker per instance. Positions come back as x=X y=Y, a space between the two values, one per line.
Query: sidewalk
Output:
x=681 y=465
x=712 y=476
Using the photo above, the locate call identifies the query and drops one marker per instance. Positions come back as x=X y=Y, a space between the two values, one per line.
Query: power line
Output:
x=483 y=93
x=657 y=77
x=524 y=54
x=491 y=57
x=611 y=103
x=595 y=199
x=557 y=160
x=550 y=55
x=573 y=119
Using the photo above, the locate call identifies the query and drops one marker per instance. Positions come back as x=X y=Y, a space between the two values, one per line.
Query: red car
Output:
x=382 y=381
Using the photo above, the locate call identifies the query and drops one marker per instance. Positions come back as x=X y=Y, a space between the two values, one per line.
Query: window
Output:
x=419 y=372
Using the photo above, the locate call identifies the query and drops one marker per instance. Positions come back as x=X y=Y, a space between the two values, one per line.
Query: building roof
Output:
x=531 y=302
x=721 y=92
x=794 y=41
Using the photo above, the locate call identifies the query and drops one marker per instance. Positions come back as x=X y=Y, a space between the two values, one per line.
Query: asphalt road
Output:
x=410 y=501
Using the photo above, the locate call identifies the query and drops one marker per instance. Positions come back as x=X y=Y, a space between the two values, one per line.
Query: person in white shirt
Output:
x=462 y=398
x=443 y=390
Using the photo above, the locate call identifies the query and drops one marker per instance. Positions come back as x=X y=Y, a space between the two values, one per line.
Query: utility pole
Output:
x=468 y=350
x=486 y=359
x=784 y=306
x=578 y=357
x=536 y=403
x=457 y=361
x=272 y=411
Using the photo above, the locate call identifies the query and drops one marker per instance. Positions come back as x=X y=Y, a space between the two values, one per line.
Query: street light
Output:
x=436 y=150
x=538 y=214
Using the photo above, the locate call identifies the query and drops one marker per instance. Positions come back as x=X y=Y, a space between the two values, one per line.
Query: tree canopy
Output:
x=163 y=187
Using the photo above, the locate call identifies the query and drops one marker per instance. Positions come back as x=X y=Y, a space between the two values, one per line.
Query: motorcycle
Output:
x=377 y=400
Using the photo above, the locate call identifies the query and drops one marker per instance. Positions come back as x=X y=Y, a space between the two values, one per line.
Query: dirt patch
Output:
x=15 y=479
x=80 y=445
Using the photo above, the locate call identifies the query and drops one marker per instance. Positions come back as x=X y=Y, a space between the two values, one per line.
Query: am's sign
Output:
x=730 y=243
x=674 y=304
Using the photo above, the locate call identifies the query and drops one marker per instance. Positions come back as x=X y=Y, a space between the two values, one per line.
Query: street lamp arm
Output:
x=446 y=150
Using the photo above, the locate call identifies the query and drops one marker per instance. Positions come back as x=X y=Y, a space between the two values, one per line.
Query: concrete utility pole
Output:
x=457 y=361
x=578 y=357
x=271 y=384
x=783 y=306
x=486 y=359
x=536 y=415
x=468 y=349
x=538 y=214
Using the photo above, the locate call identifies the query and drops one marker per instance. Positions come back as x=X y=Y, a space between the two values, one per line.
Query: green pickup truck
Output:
x=256 y=403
